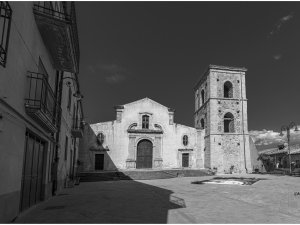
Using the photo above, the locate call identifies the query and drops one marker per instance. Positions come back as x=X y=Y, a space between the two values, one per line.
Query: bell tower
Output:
x=221 y=109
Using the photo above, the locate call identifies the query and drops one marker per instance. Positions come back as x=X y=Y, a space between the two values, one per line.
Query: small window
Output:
x=100 y=138
x=66 y=147
x=185 y=140
x=202 y=123
x=228 y=123
x=5 y=21
x=228 y=90
x=145 y=122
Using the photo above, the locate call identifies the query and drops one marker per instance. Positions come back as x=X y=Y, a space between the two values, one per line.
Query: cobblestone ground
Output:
x=272 y=200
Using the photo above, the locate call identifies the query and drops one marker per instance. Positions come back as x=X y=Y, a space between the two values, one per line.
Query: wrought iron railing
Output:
x=5 y=21
x=41 y=97
x=64 y=11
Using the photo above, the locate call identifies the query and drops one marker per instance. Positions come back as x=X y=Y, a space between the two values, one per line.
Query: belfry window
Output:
x=145 y=122
x=5 y=20
x=202 y=123
x=228 y=90
x=185 y=140
x=202 y=97
x=228 y=123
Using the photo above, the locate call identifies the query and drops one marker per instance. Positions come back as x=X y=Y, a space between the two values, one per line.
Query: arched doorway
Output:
x=144 y=154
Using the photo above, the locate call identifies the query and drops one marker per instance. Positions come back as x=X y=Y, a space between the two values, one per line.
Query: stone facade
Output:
x=224 y=94
x=123 y=135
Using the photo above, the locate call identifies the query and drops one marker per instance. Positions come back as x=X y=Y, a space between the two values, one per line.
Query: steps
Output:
x=140 y=174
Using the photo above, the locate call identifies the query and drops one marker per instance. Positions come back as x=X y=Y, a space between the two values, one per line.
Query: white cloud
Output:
x=281 y=21
x=277 y=56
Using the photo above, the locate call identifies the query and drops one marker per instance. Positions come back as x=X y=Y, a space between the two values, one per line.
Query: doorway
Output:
x=144 y=154
x=33 y=171
x=99 y=161
x=185 y=159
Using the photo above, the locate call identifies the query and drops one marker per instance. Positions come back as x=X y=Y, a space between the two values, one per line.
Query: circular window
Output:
x=185 y=140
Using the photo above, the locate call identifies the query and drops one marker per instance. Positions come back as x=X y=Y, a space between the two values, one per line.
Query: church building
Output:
x=145 y=136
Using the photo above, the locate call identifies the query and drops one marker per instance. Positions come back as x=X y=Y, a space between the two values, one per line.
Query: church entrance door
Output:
x=144 y=154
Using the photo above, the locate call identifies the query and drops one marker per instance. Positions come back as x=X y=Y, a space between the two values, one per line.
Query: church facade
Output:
x=145 y=136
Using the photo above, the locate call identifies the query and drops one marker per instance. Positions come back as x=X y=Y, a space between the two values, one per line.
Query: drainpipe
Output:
x=243 y=128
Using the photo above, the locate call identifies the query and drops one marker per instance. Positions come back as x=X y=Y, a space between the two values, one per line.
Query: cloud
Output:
x=280 y=22
x=277 y=56
x=264 y=139
x=112 y=73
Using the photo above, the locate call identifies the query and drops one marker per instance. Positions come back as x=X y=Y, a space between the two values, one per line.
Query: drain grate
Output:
x=54 y=207
x=229 y=180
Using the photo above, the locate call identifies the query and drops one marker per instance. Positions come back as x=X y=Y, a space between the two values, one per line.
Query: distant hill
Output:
x=269 y=139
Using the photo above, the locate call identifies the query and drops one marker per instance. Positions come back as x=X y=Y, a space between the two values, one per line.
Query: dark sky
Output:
x=132 y=50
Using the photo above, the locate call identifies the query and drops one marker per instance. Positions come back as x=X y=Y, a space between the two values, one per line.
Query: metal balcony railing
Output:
x=54 y=13
x=40 y=102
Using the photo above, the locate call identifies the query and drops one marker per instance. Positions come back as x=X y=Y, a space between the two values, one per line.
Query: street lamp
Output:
x=288 y=135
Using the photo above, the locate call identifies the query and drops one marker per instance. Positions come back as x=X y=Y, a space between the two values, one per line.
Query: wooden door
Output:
x=33 y=171
x=185 y=160
x=144 y=154
x=99 y=161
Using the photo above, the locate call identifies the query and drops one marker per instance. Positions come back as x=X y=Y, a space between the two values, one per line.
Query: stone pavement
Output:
x=176 y=200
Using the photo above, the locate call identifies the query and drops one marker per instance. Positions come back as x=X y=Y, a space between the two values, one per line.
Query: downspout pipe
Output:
x=243 y=125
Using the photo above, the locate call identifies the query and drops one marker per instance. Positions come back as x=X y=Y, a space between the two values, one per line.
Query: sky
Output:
x=133 y=50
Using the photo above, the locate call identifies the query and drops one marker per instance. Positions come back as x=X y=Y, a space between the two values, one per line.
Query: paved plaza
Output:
x=275 y=199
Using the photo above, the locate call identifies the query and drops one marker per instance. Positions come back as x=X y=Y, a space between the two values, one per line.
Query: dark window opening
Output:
x=228 y=90
x=185 y=140
x=202 y=97
x=228 y=123
x=202 y=123
x=145 y=122
x=5 y=21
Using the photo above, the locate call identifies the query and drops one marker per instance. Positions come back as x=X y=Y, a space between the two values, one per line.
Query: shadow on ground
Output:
x=121 y=201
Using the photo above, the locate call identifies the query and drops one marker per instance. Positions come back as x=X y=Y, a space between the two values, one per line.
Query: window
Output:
x=202 y=123
x=228 y=90
x=202 y=97
x=66 y=147
x=100 y=138
x=5 y=20
x=185 y=140
x=228 y=123
x=145 y=122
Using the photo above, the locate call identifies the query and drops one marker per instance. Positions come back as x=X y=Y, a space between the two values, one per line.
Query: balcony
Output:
x=77 y=129
x=40 y=103
x=57 y=24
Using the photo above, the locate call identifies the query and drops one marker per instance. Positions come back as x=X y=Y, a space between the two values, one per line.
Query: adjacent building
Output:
x=40 y=102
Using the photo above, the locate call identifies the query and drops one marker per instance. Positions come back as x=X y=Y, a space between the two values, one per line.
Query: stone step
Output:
x=140 y=174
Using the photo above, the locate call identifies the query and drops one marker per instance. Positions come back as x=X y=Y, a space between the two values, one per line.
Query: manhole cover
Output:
x=229 y=180
x=54 y=207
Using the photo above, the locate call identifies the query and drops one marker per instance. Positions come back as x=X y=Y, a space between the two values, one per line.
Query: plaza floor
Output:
x=275 y=199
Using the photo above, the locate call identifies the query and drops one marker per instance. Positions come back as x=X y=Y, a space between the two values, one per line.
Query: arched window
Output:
x=145 y=122
x=185 y=140
x=100 y=138
x=228 y=90
x=228 y=123
x=202 y=123
x=202 y=97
